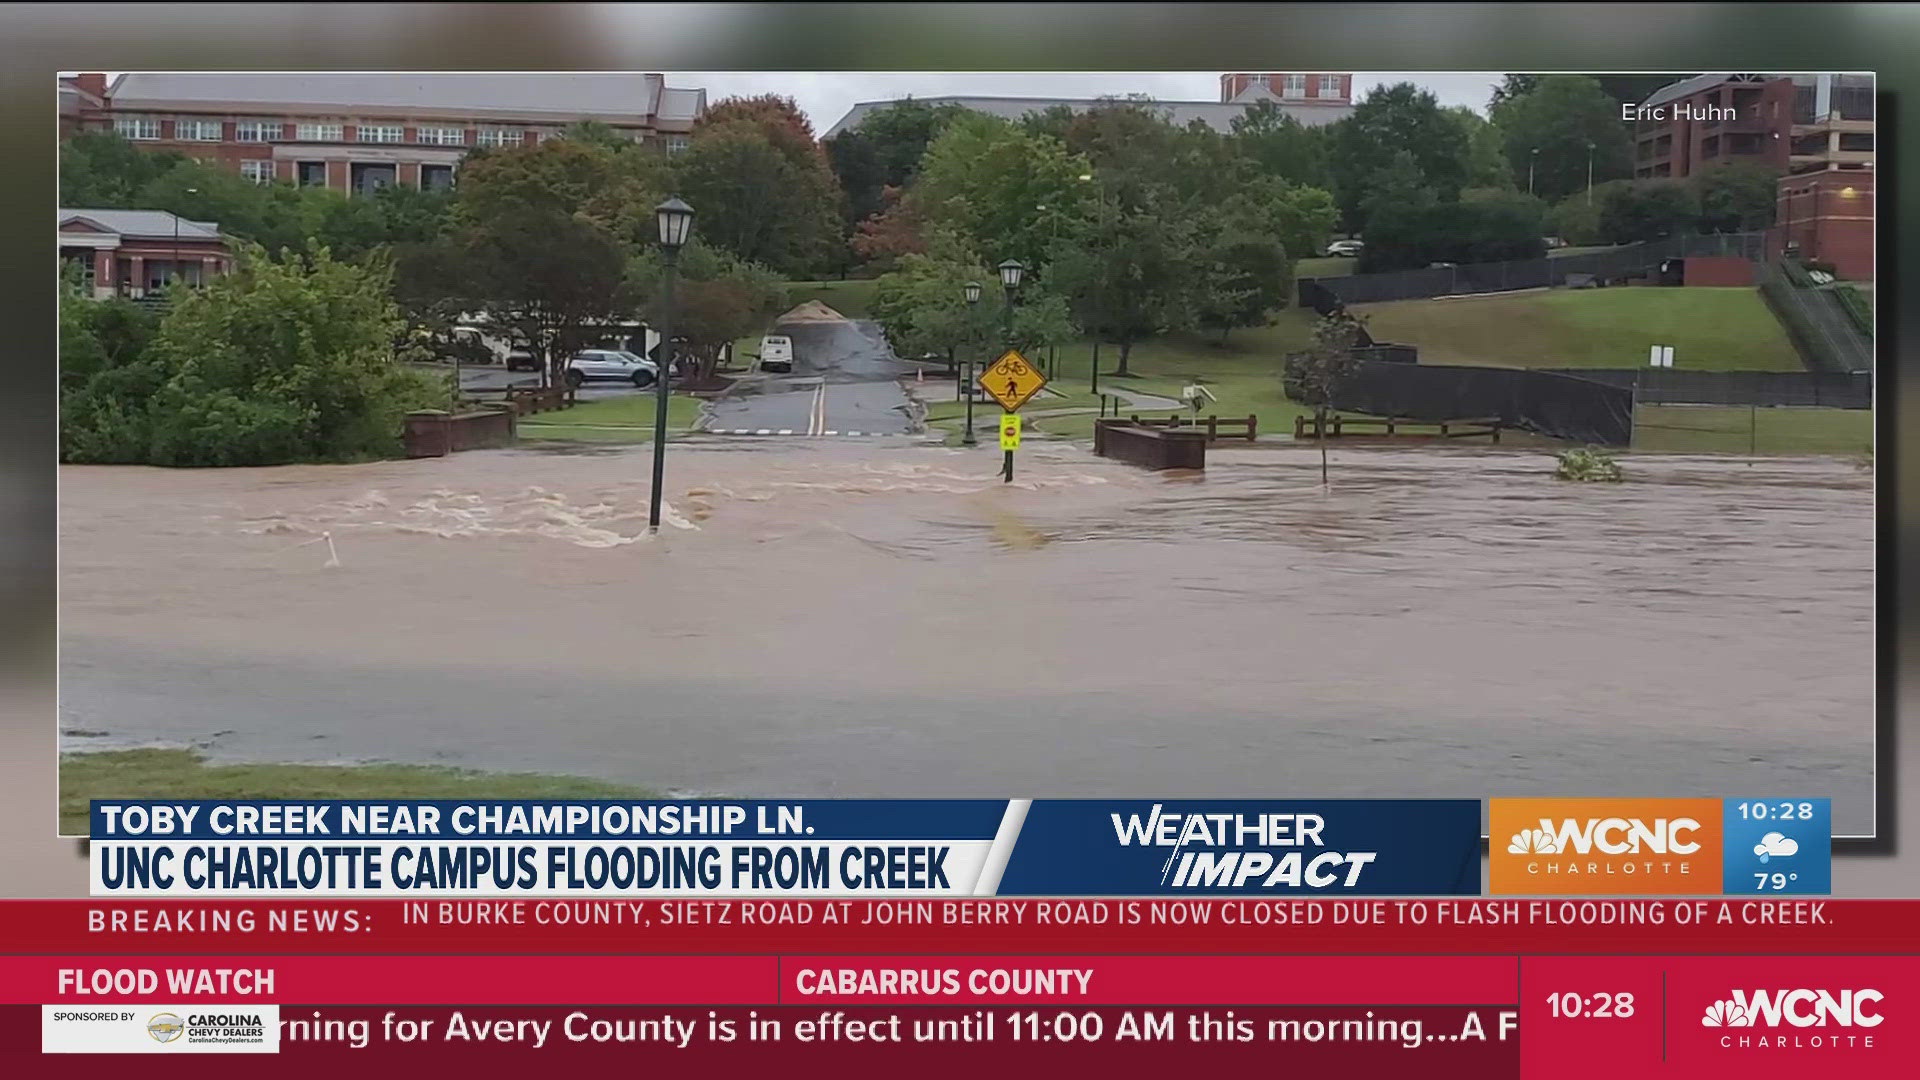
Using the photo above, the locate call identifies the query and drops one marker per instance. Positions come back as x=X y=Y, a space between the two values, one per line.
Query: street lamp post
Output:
x=972 y=292
x=675 y=219
x=1010 y=274
x=1589 y=172
x=173 y=268
x=1532 y=159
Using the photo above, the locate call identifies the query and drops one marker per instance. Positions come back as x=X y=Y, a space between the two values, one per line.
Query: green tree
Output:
x=1487 y=165
x=1006 y=192
x=1736 y=196
x=1126 y=275
x=884 y=152
x=1648 y=210
x=280 y=361
x=1555 y=125
x=102 y=171
x=1315 y=377
x=718 y=299
x=1239 y=279
x=1280 y=146
x=755 y=201
x=1393 y=120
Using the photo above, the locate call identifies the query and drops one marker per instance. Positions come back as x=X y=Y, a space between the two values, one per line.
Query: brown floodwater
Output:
x=882 y=618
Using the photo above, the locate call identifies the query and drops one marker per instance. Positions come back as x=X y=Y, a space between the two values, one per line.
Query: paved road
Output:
x=843 y=383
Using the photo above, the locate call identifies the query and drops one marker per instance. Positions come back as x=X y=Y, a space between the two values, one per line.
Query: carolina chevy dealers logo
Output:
x=1598 y=846
x=160 y=1029
x=1820 y=1018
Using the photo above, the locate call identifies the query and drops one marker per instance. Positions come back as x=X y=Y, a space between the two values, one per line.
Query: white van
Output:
x=776 y=353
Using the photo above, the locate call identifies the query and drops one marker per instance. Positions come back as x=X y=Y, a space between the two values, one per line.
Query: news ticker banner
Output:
x=938 y=985
x=1019 y=847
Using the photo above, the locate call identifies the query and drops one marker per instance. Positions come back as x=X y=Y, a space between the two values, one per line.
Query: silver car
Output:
x=610 y=365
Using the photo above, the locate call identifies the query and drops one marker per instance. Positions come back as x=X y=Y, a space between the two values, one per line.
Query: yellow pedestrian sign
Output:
x=1009 y=431
x=1010 y=380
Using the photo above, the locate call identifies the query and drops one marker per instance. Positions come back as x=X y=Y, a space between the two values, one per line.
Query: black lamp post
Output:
x=972 y=292
x=1010 y=274
x=675 y=219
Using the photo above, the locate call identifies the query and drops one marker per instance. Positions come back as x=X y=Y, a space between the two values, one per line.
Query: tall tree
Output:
x=761 y=201
x=718 y=300
x=1554 y=128
x=884 y=152
x=1648 y=210
x=1126 y=274
x=1736 y=196
x=1487 y=164
x=100 y=170
x=1007 y=193
x=1281 y=146
x=1393 y=120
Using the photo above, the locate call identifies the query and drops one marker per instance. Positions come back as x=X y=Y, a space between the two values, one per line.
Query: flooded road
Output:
x=843 y=383
x=877 y=618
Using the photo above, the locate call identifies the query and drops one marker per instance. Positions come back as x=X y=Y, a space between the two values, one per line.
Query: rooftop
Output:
x=145 y=224
x=1218 y=115
x=606 y=96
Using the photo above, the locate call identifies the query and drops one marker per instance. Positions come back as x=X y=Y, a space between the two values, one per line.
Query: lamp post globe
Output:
x=675 y=221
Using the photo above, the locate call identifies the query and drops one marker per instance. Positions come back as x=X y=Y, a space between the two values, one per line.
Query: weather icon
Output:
x=1776 y=846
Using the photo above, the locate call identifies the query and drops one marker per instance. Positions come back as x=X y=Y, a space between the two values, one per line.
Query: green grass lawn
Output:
x=1709 y=329
x=184 y=774
x=618 y=420
x=852 y=298
x=1325 y=266
x=1243 y=372
x=1714 y=429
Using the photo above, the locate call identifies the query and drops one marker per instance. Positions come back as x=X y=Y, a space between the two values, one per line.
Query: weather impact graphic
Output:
x=1778 y=846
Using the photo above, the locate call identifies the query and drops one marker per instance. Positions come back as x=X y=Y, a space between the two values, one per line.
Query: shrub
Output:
x=1588 y=465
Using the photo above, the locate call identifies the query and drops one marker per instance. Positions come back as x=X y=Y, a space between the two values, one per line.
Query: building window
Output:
x=257 y=131
x=501 y=136
x=1856 y=140
x=137 y=127
x=442 y=136
x=1329 y=86
x=319 y=133
x=1710 y=146
x=260 y=172
x=1296 y=86
x=311 y=173
x=677 y=143
x=436 y=177
x=371 y=177
x=382 y=133
x=197 y=130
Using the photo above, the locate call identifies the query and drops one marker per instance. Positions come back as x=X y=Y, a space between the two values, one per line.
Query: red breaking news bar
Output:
x=709 y=927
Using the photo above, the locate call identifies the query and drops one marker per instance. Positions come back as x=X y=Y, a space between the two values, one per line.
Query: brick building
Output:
x=1713 y=119
x=1827 y=216
x=1294 y=88
x=134 y=252
x=359 y=131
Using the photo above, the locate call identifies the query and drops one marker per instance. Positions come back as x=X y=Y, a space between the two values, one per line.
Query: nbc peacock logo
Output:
x=1533 y=842
x=1727 y=1013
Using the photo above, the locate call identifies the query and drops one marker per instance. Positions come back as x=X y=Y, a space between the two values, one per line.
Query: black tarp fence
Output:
x=1322 y=294
x=1669 y=386
x=1558 y=406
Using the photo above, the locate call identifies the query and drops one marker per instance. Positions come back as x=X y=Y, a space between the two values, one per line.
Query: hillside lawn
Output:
x=852 y=298
x=625 y=419
x=1710 y=329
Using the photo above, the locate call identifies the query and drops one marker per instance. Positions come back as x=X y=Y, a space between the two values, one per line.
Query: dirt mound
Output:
x=813 y=311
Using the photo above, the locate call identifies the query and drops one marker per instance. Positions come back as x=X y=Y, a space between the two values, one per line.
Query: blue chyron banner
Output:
x=1227 y=847
x=839 y=847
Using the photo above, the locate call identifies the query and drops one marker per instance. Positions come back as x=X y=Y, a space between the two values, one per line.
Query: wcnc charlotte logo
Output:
x=1791 y=1018
x=1605 y=846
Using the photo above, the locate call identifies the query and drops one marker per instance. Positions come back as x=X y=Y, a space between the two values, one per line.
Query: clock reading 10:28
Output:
x=1602 y=1006
x=1781 y=810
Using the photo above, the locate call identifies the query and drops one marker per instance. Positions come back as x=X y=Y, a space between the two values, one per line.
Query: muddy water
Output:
x=831 y=617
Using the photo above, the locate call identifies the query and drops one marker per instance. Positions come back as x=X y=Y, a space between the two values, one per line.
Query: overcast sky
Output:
x=826 y=96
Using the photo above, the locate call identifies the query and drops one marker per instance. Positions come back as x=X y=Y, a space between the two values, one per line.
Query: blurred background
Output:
x=37 y=40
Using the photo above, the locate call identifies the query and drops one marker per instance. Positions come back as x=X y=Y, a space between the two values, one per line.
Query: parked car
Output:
x=522 y=360
x=610 y=365
x=1346 y=248
x=776 y=353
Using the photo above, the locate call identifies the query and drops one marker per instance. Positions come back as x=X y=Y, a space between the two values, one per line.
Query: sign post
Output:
x=1011 y=381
